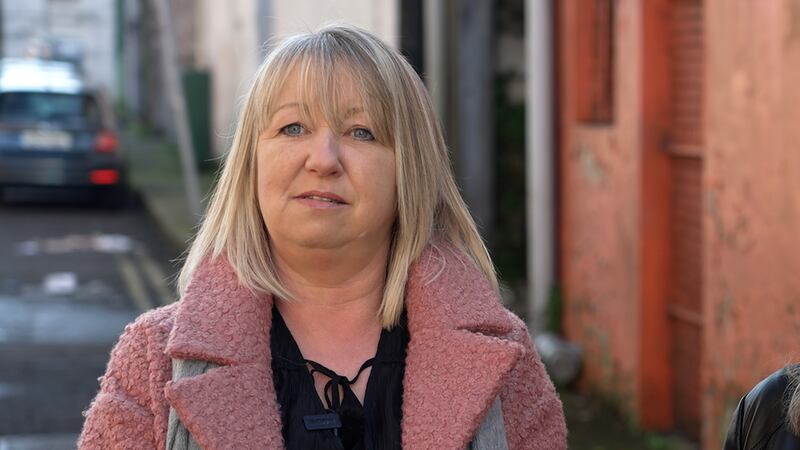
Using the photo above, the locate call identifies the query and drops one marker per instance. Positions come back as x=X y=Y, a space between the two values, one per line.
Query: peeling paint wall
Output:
x=599 y=214
x=752 y=201
x=750 y=215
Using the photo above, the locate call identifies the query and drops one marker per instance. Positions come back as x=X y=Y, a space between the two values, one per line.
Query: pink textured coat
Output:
x=465 y=349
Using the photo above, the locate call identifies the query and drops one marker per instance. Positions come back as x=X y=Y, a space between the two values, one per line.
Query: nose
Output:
x=323 y=154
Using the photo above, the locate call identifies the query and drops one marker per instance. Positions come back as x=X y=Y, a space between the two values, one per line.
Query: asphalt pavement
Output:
x=71 y=276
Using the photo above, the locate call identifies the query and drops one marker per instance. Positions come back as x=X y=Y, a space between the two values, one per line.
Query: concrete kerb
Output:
x=171 y=213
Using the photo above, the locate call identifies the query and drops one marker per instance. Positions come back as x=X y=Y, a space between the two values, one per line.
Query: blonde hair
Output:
x=793 y=408
x=429 y=205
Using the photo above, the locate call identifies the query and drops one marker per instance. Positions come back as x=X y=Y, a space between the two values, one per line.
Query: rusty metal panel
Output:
x=685 y=148
x=686 y=70
x=685 y=307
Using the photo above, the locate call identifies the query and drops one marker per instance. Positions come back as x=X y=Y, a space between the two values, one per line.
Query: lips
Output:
x=322 y=197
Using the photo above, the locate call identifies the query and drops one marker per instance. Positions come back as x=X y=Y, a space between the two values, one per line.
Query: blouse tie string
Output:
x=336 y=381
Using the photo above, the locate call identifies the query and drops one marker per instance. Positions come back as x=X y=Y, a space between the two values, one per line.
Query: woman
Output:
x=338 y=294
x=768 y=417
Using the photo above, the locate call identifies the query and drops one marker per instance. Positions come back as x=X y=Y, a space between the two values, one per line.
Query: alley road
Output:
x=71 y=276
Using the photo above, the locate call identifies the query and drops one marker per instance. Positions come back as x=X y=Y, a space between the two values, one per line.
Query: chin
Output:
x=321 y=241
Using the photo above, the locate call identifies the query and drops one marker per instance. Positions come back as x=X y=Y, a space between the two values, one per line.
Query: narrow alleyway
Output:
x=596 y=425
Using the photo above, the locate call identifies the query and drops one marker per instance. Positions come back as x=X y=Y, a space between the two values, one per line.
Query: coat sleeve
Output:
x=533 y=414
x=733 y=437
x=761 y=414
x=120 y=416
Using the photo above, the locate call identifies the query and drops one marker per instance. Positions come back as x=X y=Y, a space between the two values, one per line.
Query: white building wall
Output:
x=380 y=17
x=24 y=23
x=228 y=47
x=86 y=23
x=231 y=34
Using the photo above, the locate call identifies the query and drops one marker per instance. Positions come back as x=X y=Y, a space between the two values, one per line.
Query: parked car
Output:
x=55 y=132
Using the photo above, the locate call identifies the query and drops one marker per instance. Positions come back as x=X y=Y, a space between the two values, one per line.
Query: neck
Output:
x=336 y=292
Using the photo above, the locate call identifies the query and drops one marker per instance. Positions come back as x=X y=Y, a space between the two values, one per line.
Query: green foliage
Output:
x=509 y=241
x=554 y=311
x=656 y=441
x=510 y=222
x=595 y=422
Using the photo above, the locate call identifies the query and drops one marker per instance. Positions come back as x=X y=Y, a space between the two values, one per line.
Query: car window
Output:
x=70 y=110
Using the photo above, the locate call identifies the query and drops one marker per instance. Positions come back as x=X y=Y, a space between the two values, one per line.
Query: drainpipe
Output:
x=263 y=27
x=475 y=112
x=434 y=37
x=539 y=157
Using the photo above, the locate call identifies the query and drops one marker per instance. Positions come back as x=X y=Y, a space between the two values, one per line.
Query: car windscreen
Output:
x=64 y=110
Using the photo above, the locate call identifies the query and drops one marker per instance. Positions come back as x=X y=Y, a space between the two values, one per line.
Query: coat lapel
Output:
x=456 y=361
x=218 y=320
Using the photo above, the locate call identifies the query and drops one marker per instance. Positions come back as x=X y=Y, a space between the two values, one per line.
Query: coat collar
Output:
x=457 y=358
x=220 y=321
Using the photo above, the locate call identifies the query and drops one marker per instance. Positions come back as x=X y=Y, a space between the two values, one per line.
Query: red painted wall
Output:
x=613 y=210
x=599 y=193
x=752 y=205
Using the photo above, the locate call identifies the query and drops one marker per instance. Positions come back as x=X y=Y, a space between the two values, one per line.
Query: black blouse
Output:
x=340 y=423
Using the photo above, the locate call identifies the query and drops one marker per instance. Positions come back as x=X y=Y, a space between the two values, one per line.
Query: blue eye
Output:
x=293 y=129
x=362 y=134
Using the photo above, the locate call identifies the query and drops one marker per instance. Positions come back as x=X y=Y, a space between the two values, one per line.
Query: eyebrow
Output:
x=286 y=105
x=352 y=111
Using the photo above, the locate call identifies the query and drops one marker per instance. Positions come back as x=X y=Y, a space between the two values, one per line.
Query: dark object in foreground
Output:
x=760 y=419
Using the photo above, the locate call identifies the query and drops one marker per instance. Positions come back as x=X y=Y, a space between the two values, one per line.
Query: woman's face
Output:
x=320 y=189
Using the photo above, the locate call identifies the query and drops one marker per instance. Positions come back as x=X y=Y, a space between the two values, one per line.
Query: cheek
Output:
x=383 y=184
x=273 y=165
x=262 y=175
x=390 y=190
x=268 y=177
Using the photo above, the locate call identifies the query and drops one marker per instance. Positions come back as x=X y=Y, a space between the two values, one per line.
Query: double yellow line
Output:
x=138 y=270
